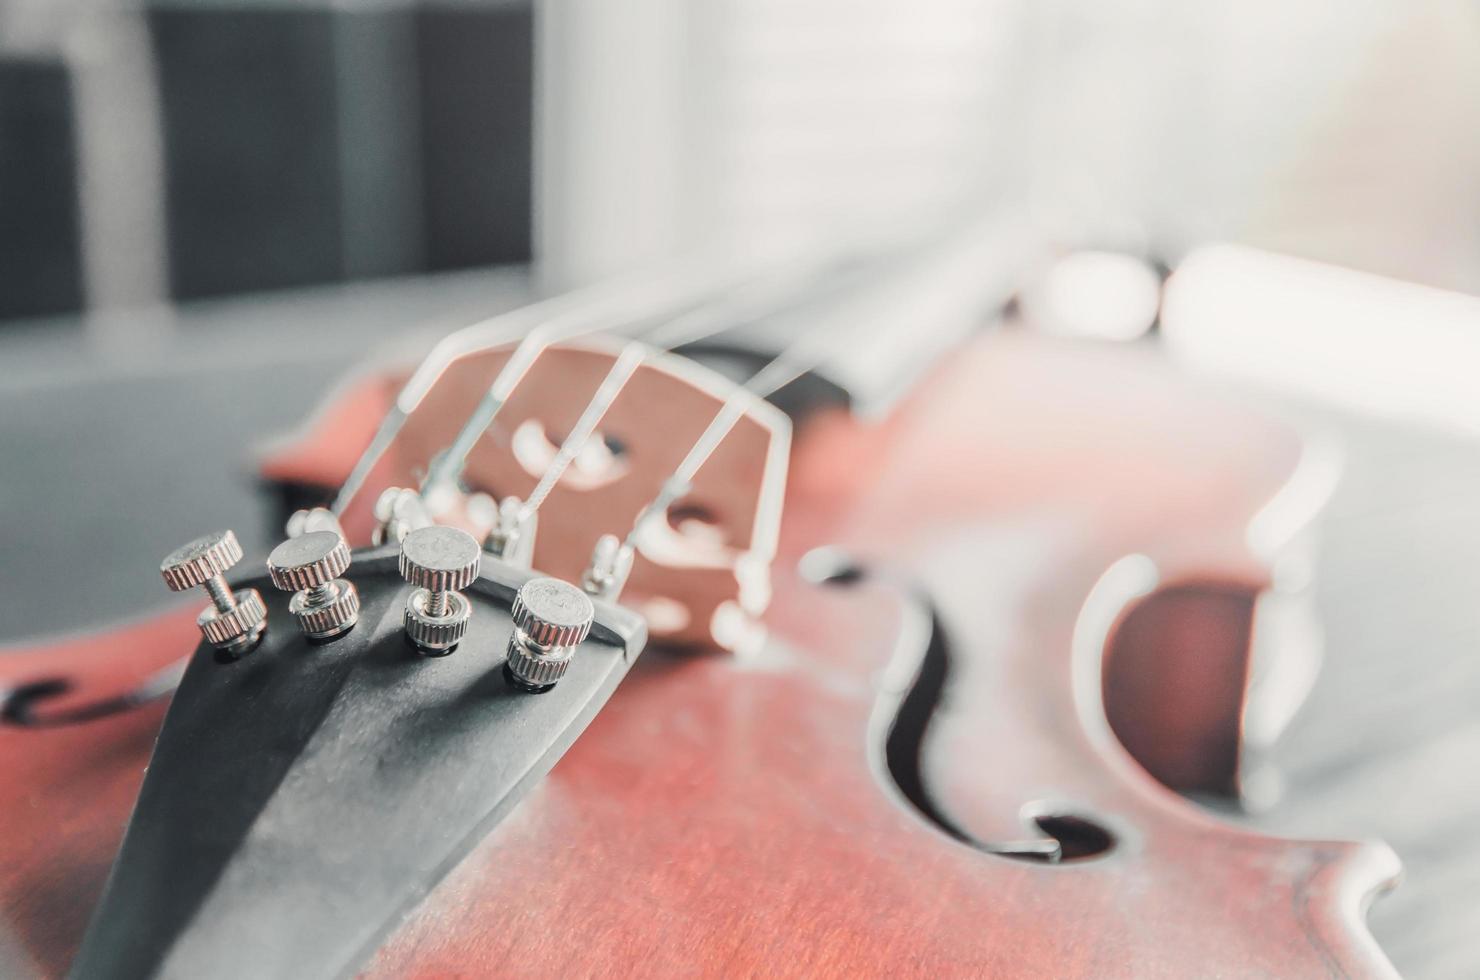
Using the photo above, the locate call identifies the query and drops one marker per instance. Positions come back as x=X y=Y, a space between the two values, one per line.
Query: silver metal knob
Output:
x=309 y=566
x=511 y=535
x=611 y=563
x=234 y=621
x=313 y=519
x=441 y=561
x=398 y=512
x=551 y=618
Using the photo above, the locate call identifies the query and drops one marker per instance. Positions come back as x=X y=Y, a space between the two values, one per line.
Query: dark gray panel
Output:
x=379 y=143
x=477 y=98
x=320 y=143
x=40 y=238
x=251 y=148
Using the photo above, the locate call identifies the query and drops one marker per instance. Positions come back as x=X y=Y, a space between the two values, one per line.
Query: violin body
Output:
x=956 y=753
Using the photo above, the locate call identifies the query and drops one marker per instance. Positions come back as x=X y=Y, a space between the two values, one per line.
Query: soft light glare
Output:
x=1380 y=346
x=1098 y=295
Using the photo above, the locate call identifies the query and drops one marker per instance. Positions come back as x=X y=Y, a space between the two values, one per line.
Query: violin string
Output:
x=616 y=379
x=600 y=304
x=704 y=322
x=794 y=361
x=610 y=305
x=776 y=374
x=810 y=348
x=713 y=315
x=973 y=253
x=745 y=302
x=445 y=469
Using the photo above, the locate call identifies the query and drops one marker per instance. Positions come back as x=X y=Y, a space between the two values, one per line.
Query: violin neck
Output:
x=884 y=329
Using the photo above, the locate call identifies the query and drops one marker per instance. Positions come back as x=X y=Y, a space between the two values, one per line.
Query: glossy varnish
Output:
x=785 y=811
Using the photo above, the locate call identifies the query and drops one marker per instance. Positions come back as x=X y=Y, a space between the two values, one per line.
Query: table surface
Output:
x=1385 y=748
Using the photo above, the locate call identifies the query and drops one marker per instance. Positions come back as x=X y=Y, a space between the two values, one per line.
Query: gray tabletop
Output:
x=122 y=438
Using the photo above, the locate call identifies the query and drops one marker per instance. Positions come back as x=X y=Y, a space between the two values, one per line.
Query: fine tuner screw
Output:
x=511 y=533
x=611 y=563
x=234 y=621
x=309 y=566
x=440 y=561
x=398 y=512
x=551 y=619
x=313 y=519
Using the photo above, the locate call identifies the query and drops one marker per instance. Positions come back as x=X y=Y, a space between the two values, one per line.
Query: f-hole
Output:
x=1078 y=837
x=29 y=705
x=1067 y=836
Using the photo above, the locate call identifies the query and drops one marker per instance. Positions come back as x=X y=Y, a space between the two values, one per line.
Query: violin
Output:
x=914 y=686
